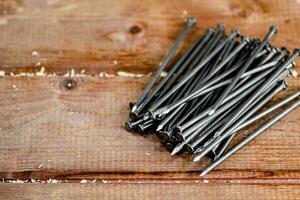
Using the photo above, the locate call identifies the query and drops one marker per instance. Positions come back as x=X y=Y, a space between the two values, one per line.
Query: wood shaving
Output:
x=53 y=181
x=35 y=53
x=83 y=181
x=15 y=87
x=16 y=181
x=2 y=73
x=126 y=74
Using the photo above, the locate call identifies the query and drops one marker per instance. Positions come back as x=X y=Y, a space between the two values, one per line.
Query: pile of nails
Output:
x=216 y=88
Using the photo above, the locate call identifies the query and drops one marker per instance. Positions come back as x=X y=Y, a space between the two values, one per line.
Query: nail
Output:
x=202 y=136
x=178 y=116
x=131 y=125
x=250 y=137
x=182 y=63
x=269 y=110
x=220 y=150
x=186 y=63
x=166 y=109
x=190 y=112
x=245 y=41
x=233 y=34
x=228 y=89
x=191 y=22
x=190 y=134
x=256 y=81
x=213 y=42
x=213 y=127
x=143 y=127
x=258 y=103
x=194 y=94
x=272 y=79
x=224 y=53
x=169 y=117
x=222 y=134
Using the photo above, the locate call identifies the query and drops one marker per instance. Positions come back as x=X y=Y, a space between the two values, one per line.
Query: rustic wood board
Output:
x=48 y=132
x=149 y=191
x=95 y=35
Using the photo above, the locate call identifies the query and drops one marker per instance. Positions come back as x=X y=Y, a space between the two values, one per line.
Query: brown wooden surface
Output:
x=150 y=191
x=49 y=132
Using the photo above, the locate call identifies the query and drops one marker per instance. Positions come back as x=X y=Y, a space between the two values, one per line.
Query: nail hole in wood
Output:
x=135 y=29
x=69 y=84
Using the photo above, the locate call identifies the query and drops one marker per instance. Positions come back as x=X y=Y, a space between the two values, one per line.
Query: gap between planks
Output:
x=149 y=191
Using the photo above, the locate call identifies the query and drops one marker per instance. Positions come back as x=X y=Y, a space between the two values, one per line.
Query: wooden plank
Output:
x=111 y=36
x=49 y=132
x=149 y=191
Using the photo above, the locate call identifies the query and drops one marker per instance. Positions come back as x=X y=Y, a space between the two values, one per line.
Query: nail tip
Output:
x=196 y=159
x=159 y=128
x=202 y=173
x=177 y=149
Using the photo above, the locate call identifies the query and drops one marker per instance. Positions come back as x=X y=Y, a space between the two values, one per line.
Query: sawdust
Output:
x=83 y=181
x=72 y=73
x=35 y=53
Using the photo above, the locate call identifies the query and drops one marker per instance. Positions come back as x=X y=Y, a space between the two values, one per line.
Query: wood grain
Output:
x=149 y=191
x=50 y=132
x=111 y=36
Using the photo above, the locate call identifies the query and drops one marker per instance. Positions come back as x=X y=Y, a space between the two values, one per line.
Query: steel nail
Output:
x=272 y=31
x=272 y=79
x=222 y=134
x=250 y=137
x=191 y=22
x=233 y=34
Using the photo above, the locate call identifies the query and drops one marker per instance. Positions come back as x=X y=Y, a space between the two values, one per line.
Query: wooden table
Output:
x=75 y=137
